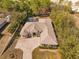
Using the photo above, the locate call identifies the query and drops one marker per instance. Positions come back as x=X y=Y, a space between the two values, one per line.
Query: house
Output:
x=36 y=29
x=35 y=34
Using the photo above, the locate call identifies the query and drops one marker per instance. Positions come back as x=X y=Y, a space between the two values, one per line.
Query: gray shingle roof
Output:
x=47 y=31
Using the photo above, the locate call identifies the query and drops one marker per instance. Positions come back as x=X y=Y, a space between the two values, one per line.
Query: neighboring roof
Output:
x=2 y=20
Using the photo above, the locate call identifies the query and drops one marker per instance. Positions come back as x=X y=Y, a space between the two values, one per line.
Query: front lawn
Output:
x=37 y=54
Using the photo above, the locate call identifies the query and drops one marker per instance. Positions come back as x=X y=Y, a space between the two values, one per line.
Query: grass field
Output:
x=37 y=54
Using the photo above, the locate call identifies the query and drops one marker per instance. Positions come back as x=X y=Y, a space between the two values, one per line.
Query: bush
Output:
x=16 y=21
x=13 y=27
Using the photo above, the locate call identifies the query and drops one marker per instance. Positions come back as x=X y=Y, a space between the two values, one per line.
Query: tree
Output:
x=44 y=7
x=67 y=33
x=21 y=11
x=39 y=5
x=45 y=3
x=6 y=4
x=35 y=5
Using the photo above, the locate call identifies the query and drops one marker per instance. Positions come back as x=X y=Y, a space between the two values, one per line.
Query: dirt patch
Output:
x=12 y=54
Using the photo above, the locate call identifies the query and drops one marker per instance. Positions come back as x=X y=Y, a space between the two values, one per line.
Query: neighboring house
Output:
x=74 y=4
x=5 y=20
x=63 y=2
x=55 y=1
x=75 y=7
x=2 y=22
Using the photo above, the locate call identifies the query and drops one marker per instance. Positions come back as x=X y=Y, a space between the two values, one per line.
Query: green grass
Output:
x=42 y=55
